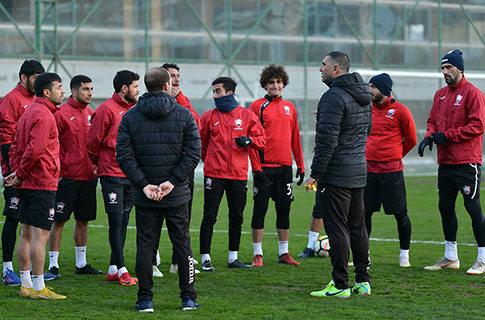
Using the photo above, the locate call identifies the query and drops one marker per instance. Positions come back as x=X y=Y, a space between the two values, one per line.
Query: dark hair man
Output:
x=392 y=136
x=271 y=167
x=158 y=148
x=12 y=106
x=77 y=187
x=339 y=166
x=116 y=188
x=35 y=164
x=456 y=124
x=228 y=132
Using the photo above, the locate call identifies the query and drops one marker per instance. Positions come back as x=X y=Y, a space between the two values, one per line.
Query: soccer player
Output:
x=116 y=188
x=228 y=132
x=35 y=164
x=77 y=187
x=158 y=148
x=339 y=166
x=456 y=124
x=392 y=136
x=273 y=177
x=12 y=106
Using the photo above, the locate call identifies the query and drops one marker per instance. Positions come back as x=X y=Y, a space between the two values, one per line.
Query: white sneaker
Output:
x=174 y=268
x=444 y=264
x=404 y=262
x=156 y=272
x=477 y=268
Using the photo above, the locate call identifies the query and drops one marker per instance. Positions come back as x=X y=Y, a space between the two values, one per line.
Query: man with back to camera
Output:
x=116 y=188
x=392 y=136
x=77 y=187
x=339 y=166
x=158 y=147
x=273 y=177
x=35 y=164
x=227 y=133
x=12 y=106
x=456 y=124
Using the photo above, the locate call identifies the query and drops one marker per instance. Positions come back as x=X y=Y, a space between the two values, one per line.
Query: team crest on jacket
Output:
x=51 y=214
x=287 y=110
x=459 y=97
x=466 y=190
x=14 y=202
x=238 y=123
x=208 y=183
x=113 y=198
x=390 y=113
x=60 y=207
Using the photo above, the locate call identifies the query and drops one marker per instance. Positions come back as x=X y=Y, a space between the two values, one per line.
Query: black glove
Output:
x=301 y=175
x=439 y=138
x=243 y=141
x=258 y=179
x=426 y=142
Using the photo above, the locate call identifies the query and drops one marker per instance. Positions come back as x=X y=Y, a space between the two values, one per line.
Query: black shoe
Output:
x=53 y=274
x=207 y=266
x=189 y=304
x=238 y=264
x=307 y=253
x=145 y=305
x=87 y=269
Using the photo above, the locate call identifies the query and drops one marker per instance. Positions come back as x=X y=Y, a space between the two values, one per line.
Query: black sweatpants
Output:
x=148 y=224
x=236 y=191
x=466 y=179
x=343 y=218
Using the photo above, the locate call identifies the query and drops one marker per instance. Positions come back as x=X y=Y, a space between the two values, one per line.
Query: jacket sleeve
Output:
x=296 y=144
x=329 y=117
x=38 y=140
x=253 y=154
x=191 y=152
x=8 y=120
x=125 y=155
x=432 y=126
x=476 y=119
x=408 y=131
x=97 y=133
x=204 y=133
x=256 y=133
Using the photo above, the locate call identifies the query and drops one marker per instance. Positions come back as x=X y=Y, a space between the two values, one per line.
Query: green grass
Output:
x=275 y=291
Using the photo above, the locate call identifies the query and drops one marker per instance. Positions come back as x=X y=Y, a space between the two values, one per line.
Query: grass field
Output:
x=275 y=291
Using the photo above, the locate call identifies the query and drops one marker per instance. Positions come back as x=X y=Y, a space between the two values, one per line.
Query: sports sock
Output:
x=451 y=251
x=112 y=269
x=258 y=248
x=80 y=256
x=404 y=253
x=282 y=247
x=53 y=257
x=25 y=279
x=7 y=265
x=206 y=257
x=232 y=256
x=38 y=282
x=121 y=271
x=481 y=253
x=157 y=258
x=312 y=238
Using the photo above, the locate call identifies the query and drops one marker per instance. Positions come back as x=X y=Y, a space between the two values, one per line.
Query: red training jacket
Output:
x=101 y=143
x=222 y=157
x=12 y=106
x=458 y=111
x=185 y=102
x=73 y=121
x=393 y=132
x=280 y=123
x=34 y=154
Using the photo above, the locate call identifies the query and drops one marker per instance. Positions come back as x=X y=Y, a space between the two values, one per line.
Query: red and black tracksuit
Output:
x=280 y=122
x=459 y=112
x=226 y=168
x=116 y=188
x=392 y=136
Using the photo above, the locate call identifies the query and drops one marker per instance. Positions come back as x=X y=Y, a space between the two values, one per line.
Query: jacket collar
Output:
x=120 y=101
x=460 y=84
x=41 y=100
x=73 y=103
x=273 y=99
x=24 y=91
x=386 y=104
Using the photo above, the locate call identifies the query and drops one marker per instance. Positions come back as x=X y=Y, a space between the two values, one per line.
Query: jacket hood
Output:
x=353 y=84
x=156 y=104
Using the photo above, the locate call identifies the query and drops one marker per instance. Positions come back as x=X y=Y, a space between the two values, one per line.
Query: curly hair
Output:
x=273 y=72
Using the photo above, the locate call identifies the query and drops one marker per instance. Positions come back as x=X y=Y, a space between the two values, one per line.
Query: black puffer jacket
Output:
x=158 y=140
x=343 y=124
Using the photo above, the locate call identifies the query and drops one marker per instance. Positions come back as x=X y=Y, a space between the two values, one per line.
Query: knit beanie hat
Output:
x=454 y=57
x=383 y=82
